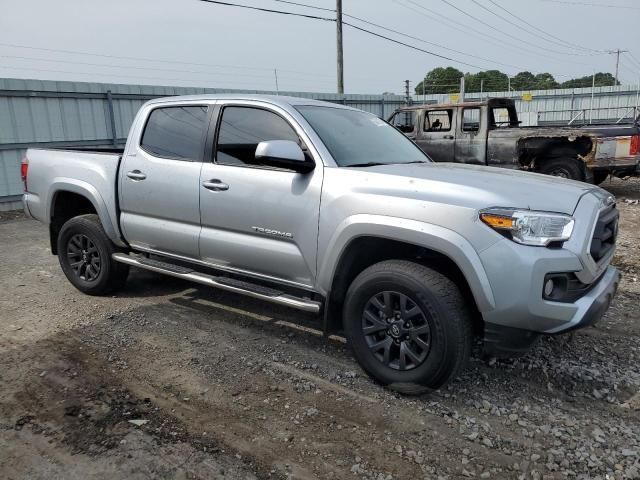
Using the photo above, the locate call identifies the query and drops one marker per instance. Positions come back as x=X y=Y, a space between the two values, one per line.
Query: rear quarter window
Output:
x=175 y=132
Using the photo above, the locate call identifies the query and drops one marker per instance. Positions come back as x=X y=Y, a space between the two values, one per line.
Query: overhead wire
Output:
x=542 y=31
x=514 y=37
x=536 y=35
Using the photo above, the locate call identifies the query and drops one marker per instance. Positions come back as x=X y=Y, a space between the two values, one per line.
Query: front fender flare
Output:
x=426 y=235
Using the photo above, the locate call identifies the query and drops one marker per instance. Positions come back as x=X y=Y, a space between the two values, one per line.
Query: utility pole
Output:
x=462 y=88
x=339 y=45
x=617 y=54
x=407 y=96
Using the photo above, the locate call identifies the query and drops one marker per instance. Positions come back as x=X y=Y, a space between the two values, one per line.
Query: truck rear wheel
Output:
x=565 y=167
x=84 y=252
x=407 y=325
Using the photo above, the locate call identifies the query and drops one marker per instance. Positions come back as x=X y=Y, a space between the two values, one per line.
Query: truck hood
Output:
x=473 y=186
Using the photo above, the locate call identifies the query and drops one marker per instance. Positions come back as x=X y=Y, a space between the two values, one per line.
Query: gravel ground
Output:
x=170 y=380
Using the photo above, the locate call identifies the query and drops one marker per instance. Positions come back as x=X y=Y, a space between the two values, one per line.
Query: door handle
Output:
x=215 y=185
x=136 y=175
x=448 y=137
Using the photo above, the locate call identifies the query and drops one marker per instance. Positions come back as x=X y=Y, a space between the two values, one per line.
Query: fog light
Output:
x=548 y=288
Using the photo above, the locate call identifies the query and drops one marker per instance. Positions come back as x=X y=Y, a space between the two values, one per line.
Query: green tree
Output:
x=602 y=80
x=489 y=80
x=545 y=81
x=523 y=81
x=440 y=80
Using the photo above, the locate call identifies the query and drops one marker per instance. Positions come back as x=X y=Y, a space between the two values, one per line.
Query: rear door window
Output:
x=175 y=132
x=471 y=119
x=437 y=121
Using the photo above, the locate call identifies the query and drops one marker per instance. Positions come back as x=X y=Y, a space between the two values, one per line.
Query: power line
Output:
x=410 y=46
x=156 y=60
x=536 y=35
x=306 y=5
x=428 y=42
x=270 y=10
x=540 y=30
x=589 y=4
x=492 y=27
x=466 y=29
x=634 y=60
x=128 y=67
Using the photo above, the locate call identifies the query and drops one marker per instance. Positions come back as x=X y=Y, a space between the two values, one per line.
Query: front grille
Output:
x=605 y=233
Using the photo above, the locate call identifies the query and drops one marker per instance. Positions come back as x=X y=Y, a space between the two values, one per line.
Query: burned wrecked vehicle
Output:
x=489 y=133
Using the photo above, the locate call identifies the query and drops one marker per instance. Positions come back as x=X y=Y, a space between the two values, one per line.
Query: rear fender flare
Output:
x=107 y=218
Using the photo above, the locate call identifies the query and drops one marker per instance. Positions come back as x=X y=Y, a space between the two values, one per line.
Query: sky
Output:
x=194 y=43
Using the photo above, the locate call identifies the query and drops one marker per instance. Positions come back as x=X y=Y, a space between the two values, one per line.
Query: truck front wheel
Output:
x=407 y=325
x=84 y=252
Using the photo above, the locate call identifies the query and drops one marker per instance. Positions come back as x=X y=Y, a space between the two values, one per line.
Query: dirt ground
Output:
x=170 y=380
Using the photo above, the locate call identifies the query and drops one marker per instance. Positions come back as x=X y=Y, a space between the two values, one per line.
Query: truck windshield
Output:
x=356 y=138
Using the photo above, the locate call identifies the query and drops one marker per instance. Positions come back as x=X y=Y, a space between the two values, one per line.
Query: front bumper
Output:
x=504 y=339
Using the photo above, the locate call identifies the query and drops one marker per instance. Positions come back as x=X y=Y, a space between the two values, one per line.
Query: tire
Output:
x=438 y=333
x=84 y=252
x=565 y=167
x=600 y=176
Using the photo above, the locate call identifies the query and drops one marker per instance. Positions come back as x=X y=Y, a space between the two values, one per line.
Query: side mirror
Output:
x=283 y=154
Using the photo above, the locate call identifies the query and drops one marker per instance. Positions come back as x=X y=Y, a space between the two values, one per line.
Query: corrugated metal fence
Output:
x=49 y=113
x=54 y=114
x=561 y=106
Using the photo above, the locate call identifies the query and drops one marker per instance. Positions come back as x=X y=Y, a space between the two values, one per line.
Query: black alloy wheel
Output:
x=84 y=257
x=396 y=330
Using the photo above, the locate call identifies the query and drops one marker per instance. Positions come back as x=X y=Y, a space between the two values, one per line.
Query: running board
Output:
x=223 y=283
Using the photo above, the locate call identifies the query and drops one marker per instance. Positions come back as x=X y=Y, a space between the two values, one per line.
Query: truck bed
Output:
x=90 y=173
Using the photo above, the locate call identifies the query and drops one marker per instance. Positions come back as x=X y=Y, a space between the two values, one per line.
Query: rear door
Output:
x=437 y=136
x=160 y=178
x=256 y=219
x=471 y=135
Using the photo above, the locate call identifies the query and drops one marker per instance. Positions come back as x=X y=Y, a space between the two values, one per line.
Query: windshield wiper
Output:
x=366 y=164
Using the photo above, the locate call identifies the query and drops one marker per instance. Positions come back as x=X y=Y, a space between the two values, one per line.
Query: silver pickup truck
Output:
x=329 y=209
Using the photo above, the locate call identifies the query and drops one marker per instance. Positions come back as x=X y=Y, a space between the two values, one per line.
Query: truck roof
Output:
x=495 y=101
x=280 y=100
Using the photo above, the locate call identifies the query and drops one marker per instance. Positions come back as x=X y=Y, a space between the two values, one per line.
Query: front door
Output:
x=437 y=136
x=160 y=178
x=471 y=136
x=256 y=219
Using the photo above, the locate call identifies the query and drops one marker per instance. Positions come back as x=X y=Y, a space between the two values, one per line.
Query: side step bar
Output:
x=223 y=283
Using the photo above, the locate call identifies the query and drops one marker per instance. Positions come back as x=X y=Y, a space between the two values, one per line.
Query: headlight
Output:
x=529 y=227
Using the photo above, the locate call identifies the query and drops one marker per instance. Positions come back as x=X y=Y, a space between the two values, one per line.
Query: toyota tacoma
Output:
x=328 y=209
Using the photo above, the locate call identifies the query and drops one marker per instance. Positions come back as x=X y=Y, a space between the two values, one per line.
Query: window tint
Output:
x=175 y=132
x=242 y=128
x=471 y=119
x=437 y=121
x=404 y=121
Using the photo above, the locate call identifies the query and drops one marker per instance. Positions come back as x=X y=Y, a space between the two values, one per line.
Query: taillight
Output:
x=634 y=148
x=24 y=170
